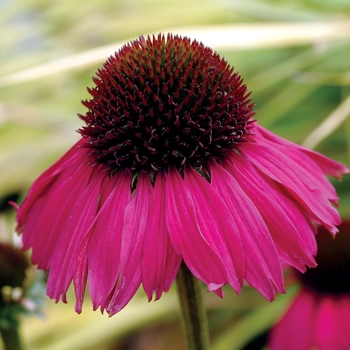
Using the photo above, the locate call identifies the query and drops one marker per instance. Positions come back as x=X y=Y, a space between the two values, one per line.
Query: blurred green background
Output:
x=293 y=55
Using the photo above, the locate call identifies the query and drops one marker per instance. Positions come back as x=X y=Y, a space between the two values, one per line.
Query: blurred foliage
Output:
x=296 y=87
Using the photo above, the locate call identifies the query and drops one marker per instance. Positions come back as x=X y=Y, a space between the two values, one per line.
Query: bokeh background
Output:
x=293 y=54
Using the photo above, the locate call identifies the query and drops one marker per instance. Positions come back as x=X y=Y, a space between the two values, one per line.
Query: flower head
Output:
x=165 y=103
x=319 y=316
x=171 y=166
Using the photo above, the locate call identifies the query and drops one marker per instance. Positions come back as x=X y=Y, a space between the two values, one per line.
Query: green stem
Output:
x=11 y=339
x=194 y=316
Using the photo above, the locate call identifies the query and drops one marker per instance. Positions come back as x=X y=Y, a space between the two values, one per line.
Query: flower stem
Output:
x=194 y=316
x=11 y=339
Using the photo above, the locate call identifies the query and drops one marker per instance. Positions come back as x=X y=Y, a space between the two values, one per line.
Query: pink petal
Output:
x=133 y=235
x=325 y=328
x=81 y=272
x=293 y=331
x=63 y=196
x=44 y=184
x=274 y=165
x=327 y=165
x=219 y=229
x=313 y=321
x=291 y=232
x=304 y=165
x=262 y=262
x=64 y=257
x=343 y=320
x=331 y=323
x=160 y=262
x=204 y=262
x=104 y=246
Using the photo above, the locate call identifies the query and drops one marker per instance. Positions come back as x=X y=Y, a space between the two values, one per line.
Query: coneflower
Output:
x=171 y=167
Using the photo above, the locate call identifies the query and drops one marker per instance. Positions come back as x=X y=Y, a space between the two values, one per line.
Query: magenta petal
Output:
x=313 y=321
x=64 y=195
x=342 y=310
x=326 y=325
x=185 y=232
x=327 y=165
x=292 y=233
x=133 y=235
x=274 y=165
x=160 y=262
x=294 y=330
x=304 y=165
x=124 y=291
x=81 y=273
x=262 y=262
x=104 y=247
x=43 y=186
x=35 y=214
x=218 y=228
x=216 y=288
x=330 y=328
x=64 y=257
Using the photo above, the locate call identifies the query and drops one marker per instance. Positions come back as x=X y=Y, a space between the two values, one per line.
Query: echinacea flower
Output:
x=319 y=317
x=172 y=167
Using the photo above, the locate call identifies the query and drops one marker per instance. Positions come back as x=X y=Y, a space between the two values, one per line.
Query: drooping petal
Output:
x=44 y=185
x=64 y=257
x=81 y=272
x=160 y=262
x=133 y=235
x=262 y=262
x=184 y=230
x=219 y=229
x=36 y=214
x=292 y=233
x=273 y=164
x=328 y=166
x=64 y=197
x=104 y=248
x=305 y=165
